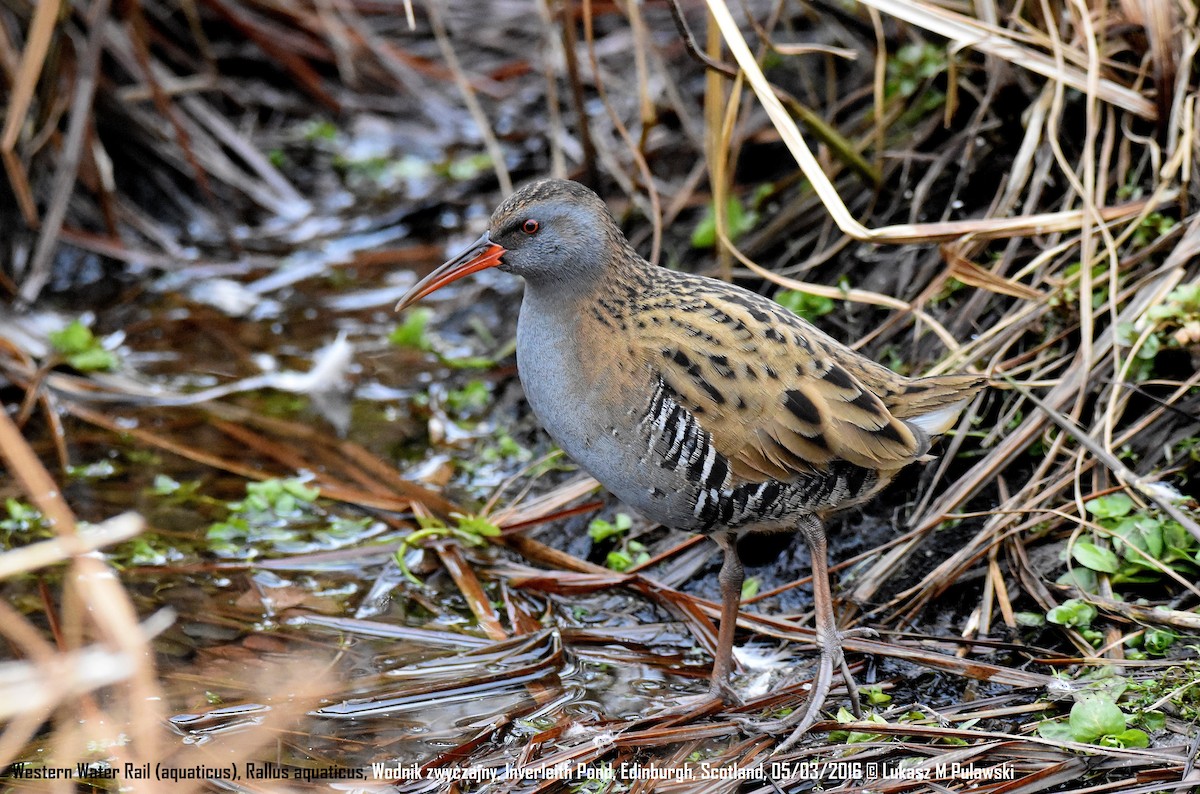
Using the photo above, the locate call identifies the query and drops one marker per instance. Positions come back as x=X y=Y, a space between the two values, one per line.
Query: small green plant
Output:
x=911 y=66
x=1154 y=641
x=1072 y=612
x=1142 y=367
x=876 y=696
x=750 y=587
x=738 y=220
x=1095 y=719
x=632 y=553
x=600 y=530
x=283 y=516
x=950 y=288
x=1173 y=325
x=281 y=498
x=910 y=73
x=469 y=529
x=319 y=131
x=97 y=470
x=503 y=447
x=22 y=524
x=470 y=399
x=144 y=550
x=629 y=552
x=81 y=349
x=1078 y=615
x=844 y=716
x=1154 y=226
x=805 y=304
x=1135 y=547
x=1067 y=295
x=176 y=492
x=1178 y=686
x=603 y=781
x=1030 y=620
x=413 y=332
x=1177 y=319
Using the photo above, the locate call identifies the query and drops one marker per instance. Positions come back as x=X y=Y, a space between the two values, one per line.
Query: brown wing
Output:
x=779 y=397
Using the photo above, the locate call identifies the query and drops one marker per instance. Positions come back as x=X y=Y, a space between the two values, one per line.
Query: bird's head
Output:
x=552 y=231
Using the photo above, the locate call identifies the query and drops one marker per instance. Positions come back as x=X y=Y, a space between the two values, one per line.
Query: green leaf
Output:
x=805 y=304
x=1031 y=620
x=1133 y=738
x=1153 y=720
x=1093 y=717
x=618 y=560
x=1104 y=683
x=164 y=485
x=1114 y=505
x=1157 y=641
x=750 y=587
x=504 y=448
x=298 y=489
x=1127 y=738
x=470 y=399
x=97 y=359
x=412 y=332
x=1177 y=540
x=476 y=525
x=1083 y=578
x=599 y=529
x=738 y=221
x=876 y=696
x=75 y=338
x=1072 y=612
x=1055 y=731
x=1139 y=532
x=1092 y=556
x=81 y=348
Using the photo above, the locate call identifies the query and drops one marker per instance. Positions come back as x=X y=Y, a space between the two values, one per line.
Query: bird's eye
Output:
x=530 y=226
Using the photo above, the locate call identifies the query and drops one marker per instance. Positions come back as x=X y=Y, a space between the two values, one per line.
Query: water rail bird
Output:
x=703 y=406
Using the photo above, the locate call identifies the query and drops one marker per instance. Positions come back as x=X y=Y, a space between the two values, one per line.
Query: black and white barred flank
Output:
x=680 y=444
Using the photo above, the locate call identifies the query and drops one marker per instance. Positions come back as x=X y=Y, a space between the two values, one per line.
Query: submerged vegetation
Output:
x=255 y=516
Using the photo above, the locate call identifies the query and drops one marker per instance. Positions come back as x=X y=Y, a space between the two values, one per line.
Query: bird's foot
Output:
x=722 y=690
x=799 y=721
x=859 y=631
x=847 y=679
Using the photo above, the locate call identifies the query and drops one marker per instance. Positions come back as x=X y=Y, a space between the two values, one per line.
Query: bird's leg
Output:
x=829 y=643
x=731 y=578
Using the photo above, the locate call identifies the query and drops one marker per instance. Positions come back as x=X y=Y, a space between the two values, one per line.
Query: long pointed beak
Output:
x=482 y=254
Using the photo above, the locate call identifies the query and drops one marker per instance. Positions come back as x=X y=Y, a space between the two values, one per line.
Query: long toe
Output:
x=800 y=720
x=860 y=631
x=847 y=678
x=723 y=690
